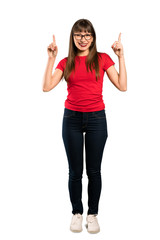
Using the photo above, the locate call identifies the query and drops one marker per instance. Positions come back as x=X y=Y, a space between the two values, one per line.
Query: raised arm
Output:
x=50 y=81
x=118 y=79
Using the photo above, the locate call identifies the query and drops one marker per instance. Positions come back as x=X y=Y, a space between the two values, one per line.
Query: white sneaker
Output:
x=76 y=223
x=92 y=224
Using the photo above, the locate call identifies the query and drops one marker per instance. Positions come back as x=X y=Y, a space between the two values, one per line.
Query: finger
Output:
x=114 y=44
x=118 y=46
x=119 y=38
x=51 y=46
x=54 y=40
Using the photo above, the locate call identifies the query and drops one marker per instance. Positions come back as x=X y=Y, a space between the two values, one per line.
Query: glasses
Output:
x=80 y=36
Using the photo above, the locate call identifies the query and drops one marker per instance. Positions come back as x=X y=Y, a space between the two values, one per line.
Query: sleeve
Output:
x=108 y=62
x=61 y=65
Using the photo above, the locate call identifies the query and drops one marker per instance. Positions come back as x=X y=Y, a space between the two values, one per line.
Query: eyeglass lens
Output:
x=79 y=36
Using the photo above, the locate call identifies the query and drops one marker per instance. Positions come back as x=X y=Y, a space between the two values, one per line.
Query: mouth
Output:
x=83 y=44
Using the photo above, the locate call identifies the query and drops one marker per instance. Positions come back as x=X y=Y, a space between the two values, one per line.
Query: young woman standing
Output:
x=84 y=119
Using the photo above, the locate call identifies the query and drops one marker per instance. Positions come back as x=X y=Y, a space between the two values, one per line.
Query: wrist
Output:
x=51 y=59
x=121 y=57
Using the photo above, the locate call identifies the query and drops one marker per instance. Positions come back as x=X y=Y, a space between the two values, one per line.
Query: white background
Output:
x=34 y=198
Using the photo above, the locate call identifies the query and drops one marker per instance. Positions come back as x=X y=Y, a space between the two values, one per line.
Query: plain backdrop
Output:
x=34 y=197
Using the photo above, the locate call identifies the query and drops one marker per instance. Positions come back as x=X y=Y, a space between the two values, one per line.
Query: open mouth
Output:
x=83 y=44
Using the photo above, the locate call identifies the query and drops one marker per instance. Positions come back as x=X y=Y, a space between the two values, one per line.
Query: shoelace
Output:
x=75 y=217
x=91 y=218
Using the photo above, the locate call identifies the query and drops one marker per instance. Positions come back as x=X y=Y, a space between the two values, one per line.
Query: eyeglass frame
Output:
x=83 y=36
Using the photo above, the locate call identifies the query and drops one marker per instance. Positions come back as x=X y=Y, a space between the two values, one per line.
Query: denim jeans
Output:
x=87 y=129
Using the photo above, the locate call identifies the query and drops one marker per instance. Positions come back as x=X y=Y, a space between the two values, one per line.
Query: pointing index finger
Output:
x=119 y=38
x=54 y=41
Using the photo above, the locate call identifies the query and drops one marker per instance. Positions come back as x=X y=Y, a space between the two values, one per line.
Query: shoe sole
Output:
x=92 y=232
x=76 y=231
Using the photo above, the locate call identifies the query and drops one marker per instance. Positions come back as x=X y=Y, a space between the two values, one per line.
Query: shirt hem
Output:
x=85 y=109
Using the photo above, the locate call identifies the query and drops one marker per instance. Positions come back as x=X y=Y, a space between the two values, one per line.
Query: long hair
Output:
x=91 y=59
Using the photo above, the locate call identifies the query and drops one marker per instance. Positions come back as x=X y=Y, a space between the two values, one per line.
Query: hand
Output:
x=52 y=49
x=117 y=47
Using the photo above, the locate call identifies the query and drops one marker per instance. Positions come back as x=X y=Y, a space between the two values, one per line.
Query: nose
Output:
x=82 y=36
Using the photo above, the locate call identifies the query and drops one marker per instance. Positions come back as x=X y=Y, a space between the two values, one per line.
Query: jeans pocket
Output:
x=99 y=114
x=68 y=113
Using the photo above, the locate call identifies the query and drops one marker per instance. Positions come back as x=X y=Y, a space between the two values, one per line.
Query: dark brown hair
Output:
x=91 y=59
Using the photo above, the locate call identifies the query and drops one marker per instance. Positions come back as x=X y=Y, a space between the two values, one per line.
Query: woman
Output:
x=84 y=119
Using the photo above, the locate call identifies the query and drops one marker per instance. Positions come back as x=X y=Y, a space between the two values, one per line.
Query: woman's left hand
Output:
x=117 y=47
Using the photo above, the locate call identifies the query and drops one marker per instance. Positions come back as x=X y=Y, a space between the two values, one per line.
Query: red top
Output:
x=84 y=92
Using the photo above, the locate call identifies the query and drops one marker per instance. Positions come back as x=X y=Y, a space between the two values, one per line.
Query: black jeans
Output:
x=94 y=125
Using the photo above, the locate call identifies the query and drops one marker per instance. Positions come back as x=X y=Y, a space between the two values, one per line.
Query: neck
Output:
x=83 y=53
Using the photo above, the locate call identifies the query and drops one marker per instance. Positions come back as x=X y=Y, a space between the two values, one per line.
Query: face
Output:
x=83 y=43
